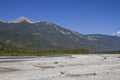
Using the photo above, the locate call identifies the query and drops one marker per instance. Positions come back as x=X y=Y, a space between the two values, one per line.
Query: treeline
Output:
x=15 y=51
x=39 y=52
x=109 y=52
x=6 y=50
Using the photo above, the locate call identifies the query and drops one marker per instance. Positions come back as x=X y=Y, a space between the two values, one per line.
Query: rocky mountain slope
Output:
x=23 y=32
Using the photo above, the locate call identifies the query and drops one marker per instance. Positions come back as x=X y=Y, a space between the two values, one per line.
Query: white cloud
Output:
x=116 y=33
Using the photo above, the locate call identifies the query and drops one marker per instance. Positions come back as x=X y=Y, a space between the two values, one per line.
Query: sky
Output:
x=83 y=16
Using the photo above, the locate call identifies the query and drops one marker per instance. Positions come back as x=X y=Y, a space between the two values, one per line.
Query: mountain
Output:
x=21 y=19
x=23 y=32
x=104 y=42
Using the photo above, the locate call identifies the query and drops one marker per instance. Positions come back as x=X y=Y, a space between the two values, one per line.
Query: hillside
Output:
x=22 y=32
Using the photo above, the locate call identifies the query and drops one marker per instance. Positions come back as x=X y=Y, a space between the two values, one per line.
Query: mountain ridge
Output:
x=49 y=35
x=21 y=19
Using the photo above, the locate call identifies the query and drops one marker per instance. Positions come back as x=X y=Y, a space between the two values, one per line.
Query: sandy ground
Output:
x=74 y=67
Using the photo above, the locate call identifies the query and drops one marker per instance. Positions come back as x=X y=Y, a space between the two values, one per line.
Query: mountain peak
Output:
x=21 y=19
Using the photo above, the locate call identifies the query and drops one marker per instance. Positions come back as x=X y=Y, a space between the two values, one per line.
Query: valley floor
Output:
x=71 y=67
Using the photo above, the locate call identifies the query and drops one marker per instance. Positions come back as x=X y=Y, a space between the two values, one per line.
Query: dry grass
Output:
x=46 y=67
x=70 y=65
x=6 y=70
x=78 y=75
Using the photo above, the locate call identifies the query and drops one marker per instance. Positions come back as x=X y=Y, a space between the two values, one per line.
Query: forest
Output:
x=6 y=50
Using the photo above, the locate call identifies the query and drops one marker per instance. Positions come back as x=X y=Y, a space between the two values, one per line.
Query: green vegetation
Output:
x=39 y=52
x=7 y=50
x=109 y=52
x=15 y=51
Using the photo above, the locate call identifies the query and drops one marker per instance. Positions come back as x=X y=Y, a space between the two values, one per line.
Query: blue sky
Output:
x=83 y=16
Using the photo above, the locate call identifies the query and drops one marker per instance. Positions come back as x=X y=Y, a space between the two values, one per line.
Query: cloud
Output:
x=116 y=33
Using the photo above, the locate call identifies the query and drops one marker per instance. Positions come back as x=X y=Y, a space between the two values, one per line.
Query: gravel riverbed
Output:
x=72 y=67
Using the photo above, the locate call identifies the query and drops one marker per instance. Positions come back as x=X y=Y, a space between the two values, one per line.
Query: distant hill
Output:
x=23 y=32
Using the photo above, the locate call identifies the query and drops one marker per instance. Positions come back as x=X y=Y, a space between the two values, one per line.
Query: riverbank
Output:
x=72 y=67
